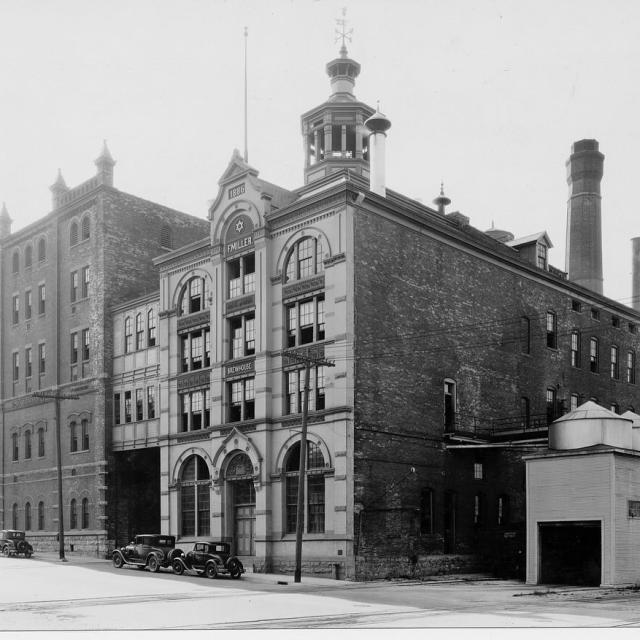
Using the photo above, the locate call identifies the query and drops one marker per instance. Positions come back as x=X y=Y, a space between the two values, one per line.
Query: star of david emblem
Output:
x=239 y=226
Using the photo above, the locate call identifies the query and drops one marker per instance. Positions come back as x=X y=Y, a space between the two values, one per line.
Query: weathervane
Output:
x=342 y=33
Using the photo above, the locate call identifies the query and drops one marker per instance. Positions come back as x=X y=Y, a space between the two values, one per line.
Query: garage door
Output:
x=570 y=553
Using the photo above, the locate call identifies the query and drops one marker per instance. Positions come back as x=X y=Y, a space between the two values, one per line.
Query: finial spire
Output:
x=105 y=164
x=5 y=222
x=246 y=130
x=342 y=33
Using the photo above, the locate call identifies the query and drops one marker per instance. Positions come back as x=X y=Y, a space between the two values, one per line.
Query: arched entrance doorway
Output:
x=242 y=493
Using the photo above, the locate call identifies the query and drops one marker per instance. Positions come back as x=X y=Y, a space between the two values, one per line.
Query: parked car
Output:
x=209 y=558
x=147 y=550
x=13 y=543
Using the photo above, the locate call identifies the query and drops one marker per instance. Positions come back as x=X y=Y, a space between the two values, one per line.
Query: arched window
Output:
x=139 y=331
x=195 y=295
x=40 y=516
x=73 y=434
x=73 y=514
x=86 y=227
x=239 y=467
x=42 y=250
x=128 y=335
x=304 y=260
x=84 y=428
x=151 y=328
x=14 y=516
x=14 y=447
x=27 y=444
x=41 y=442
x=85 y=513
x=28 y=256
x=194 y=497
x=15 y=262
x=27 y=516
x=314 y=488
x=73 y=233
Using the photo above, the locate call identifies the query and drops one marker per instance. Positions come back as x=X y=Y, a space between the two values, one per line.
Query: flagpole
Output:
x=246 y=135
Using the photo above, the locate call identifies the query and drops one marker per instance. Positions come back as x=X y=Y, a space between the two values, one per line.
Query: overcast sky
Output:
x=487 y=95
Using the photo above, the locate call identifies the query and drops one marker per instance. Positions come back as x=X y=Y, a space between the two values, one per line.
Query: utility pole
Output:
x=308 y=360
x=56 y=397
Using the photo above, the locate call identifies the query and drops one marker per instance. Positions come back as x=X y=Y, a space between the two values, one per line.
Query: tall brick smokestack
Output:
x=584 y=225
x=635 y=273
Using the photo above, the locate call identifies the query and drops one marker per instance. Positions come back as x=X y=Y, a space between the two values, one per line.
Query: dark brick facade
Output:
x=124 y=234
x=436 y=301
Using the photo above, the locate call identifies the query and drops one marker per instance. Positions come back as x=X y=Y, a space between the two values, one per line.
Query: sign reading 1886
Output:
x=236 y=191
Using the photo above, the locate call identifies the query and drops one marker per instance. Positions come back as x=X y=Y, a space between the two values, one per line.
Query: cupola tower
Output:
x=334 y=134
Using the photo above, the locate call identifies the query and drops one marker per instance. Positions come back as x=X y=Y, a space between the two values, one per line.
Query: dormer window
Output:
x=541 y=255
x=304 y=260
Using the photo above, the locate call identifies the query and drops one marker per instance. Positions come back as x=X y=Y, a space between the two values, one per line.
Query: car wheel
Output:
x=5 y=551
x=153 y=564
x=22 y=546
x=27 y=554
x=211 y=570
x=235 y=569
x=178 y=567
x=117 y=560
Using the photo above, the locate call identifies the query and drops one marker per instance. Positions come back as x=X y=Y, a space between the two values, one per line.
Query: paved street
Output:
x=42 y=594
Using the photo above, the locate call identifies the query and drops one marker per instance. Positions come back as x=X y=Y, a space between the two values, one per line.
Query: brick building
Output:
x=60 y=278
x=453 y=350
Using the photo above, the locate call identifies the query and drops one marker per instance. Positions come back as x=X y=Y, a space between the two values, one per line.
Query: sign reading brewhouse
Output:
x=239 y=235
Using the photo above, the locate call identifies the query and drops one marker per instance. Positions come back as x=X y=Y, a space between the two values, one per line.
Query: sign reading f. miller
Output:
x=239 y=235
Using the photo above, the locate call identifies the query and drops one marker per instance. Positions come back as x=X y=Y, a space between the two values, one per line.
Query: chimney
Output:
x=378 y=125
x=635 y=273
x=584 y=225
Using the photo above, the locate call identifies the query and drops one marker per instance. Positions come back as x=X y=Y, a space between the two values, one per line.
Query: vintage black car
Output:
x=150 y=550
x=210 y=559
x=13 y=543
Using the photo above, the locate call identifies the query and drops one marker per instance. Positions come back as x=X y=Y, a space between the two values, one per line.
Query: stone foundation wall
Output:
x=310 y=568
x=377 y=568
x=92 y=544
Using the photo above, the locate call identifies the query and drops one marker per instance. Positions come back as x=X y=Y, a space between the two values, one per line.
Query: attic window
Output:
x=541 y=253
x=615 y=322
x=576 y=306
x=165 y=237
x=632 y=327
x=595 y=314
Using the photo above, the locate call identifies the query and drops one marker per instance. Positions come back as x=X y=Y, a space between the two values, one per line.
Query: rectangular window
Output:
x=127 y=406
x=85 y=344
x=576 y=306
x=16 y=366
x=551 y=330
x=305 y=321
x=139 y=405
x=294 y=382
x=195 y=350
x=243 y=334
x=315 y=497
x=615 y=322
x=593 y=355
x=151 y=403
x=551 y=405
x=541 y=252
x=614 y=368
x=574 y=400
x=74 y=286
x=151 y=328
x=15 y=308
x=27 y=362
x=42 y=357
x=74 y=346
x=85 y=282
x=595 y=314
x=116 y=409
x=41 y=299
x=478 y=472
x=85 y=435
x=41 y=443
x=631 y=367
x=634 y=508
x=241 y=400
x=27 y=304
x=575 y=349
x=73 y=432
x=292 y=503
x=196 y=410
x=241 y=275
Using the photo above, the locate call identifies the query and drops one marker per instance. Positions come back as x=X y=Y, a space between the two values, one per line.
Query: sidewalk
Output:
x=77 y=559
